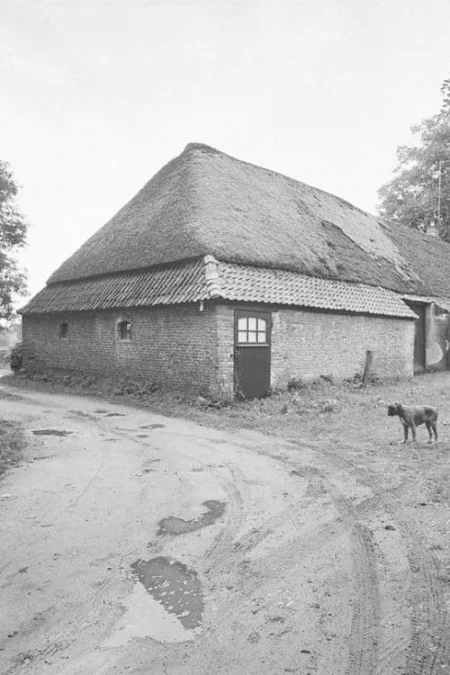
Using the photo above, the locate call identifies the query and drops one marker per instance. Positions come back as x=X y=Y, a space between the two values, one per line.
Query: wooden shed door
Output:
x=251 y=353
x=419 y=338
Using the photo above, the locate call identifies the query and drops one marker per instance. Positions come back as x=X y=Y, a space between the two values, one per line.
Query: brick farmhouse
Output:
x=221 y=277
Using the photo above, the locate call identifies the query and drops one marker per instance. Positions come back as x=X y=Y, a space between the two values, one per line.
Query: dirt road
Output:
x=135 y=543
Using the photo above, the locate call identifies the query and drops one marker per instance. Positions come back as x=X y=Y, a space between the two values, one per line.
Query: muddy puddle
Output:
x=166 y=603
x=176 y=526
x=174 y=585
x=80 y=413
x=51 y=432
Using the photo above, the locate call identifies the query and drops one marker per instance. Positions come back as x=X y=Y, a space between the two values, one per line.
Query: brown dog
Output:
x=413 y=416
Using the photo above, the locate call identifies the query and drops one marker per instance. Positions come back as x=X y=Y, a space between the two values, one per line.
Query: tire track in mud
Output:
x=362 y=645
x=363 y=642
x=429 y=648
x=428 y=651
x=235 y=509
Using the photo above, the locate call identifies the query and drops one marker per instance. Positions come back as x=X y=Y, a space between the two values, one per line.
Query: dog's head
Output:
x=393 y=409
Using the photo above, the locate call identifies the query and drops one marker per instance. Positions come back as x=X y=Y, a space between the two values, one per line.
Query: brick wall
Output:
x=225 y=348
x=183 y=348
x=308 y=344
x=175 y=347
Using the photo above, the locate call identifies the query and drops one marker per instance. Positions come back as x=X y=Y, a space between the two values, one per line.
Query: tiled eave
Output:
x=207 y=279
x=443 y=303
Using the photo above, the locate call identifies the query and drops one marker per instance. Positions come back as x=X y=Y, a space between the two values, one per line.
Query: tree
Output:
x=419 y=194
x=13 y=231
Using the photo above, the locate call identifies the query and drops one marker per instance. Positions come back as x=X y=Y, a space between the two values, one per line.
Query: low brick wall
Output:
x=308 y=344
x=174 y=347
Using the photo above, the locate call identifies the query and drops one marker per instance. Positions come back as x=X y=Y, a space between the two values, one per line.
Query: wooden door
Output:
x=251 y=353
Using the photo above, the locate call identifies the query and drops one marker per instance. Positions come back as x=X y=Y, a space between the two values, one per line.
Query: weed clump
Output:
x=12 y=443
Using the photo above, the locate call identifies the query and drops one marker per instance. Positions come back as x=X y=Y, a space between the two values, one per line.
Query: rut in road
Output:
x=362 y=645
x=428 y=652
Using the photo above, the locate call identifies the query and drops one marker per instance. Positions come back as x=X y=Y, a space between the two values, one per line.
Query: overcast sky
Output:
x=97 y=95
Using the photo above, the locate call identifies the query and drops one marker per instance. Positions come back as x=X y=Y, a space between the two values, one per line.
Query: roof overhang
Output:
x=207 y=279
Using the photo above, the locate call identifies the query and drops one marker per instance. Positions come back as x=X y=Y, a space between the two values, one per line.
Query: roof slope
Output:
x=206 y=202
x=208 y=278
x=428 y=256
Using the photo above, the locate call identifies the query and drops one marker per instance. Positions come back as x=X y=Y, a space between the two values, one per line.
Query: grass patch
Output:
x=338 y=412
x=12 y=443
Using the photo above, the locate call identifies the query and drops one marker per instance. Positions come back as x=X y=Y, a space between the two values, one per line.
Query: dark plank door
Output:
x=419 y=338
x=251 y=353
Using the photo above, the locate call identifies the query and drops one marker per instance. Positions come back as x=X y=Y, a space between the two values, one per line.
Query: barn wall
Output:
x=225 y=348
x=174 y=347
x=308 y=344
x=184 y=349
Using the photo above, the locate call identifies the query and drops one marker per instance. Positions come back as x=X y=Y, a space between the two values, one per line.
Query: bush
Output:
x=16 y=358
x=12 y=442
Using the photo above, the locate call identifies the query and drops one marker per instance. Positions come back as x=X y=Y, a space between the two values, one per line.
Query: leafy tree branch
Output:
x=13 y=232
x=419 y=193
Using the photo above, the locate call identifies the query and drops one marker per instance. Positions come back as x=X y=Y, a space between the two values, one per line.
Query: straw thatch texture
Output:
x=208 y=279
x=207 y=202
x=428 y=256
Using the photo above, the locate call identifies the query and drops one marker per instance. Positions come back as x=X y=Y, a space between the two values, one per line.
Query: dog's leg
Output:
x=413 y=431
x=405 y=432
x=429 y=427
x=434 y=427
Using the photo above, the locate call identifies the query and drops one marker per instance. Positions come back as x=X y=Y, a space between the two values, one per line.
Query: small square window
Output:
x=63 y=330
x=124 y=330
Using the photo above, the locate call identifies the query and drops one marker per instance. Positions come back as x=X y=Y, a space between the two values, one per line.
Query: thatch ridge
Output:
x=203 y=147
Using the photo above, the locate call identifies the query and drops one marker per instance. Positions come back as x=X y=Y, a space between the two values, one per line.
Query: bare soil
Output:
x=308 y=539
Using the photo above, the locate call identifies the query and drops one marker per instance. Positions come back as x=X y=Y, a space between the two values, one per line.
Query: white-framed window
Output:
x=252 y=330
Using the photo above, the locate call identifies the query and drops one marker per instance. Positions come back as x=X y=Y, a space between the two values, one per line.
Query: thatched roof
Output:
x=206 y=202
x=211 y=279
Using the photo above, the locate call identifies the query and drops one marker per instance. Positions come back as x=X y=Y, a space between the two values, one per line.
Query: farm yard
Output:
x=310 y=539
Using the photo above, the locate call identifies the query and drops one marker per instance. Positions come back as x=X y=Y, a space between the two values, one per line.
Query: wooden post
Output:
x=367 y=367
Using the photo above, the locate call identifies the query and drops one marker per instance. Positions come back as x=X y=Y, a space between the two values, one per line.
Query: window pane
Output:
x=252 y=336
x=252 y=323
x=242 y=323
x=262 y=324
x=242 y=336
x=261 y=336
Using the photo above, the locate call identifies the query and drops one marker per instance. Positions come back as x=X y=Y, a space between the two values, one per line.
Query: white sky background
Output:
x=96 y=96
